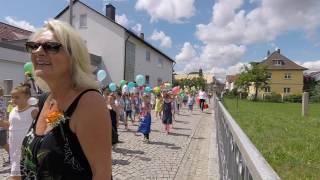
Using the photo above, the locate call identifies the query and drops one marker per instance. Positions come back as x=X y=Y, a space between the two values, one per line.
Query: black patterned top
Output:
x=56 y=155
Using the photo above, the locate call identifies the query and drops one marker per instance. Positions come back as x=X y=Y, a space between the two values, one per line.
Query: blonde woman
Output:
x=71 y=136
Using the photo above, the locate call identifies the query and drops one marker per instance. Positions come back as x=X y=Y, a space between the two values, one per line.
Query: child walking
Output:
x=20 y=119
x=157 y=107
x=127 y=109
x=167 y=112
x=145 y=123
x=190 y=102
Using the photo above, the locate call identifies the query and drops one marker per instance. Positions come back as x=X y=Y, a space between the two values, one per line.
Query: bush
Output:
x=244 y=95
x=273 y=97
x=315 y=99
x=296 y=98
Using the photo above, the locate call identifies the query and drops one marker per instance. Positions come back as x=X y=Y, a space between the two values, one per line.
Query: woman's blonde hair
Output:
x=73 y=44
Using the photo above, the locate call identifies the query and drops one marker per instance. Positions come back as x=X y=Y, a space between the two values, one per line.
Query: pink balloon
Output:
x=176 y=90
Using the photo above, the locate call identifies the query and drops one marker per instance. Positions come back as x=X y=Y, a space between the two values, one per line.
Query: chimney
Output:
x=268 y=53
x=110 y=11
x=278 y=50
x=141 y=35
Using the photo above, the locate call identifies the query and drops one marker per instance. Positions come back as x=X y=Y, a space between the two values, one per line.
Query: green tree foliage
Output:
x=195 y=81
x=256 y=75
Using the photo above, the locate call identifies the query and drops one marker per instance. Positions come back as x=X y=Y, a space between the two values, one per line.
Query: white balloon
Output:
x=33 y=101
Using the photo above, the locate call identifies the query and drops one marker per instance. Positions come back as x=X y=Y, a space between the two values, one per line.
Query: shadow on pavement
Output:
x=5 y=171
x=181 y=128
x=120 y=162
x=127 y=151
x=198 y=138
x=168 y=145
x=182 y=122
x=178 y=134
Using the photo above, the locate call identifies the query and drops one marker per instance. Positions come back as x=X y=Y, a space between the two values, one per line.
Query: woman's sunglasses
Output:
x=48 y=47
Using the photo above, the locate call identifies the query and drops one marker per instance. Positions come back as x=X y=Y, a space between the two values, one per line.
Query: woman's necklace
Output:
x=23 y=109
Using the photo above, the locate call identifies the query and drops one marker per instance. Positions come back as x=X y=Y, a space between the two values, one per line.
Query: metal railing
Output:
x=239 y=159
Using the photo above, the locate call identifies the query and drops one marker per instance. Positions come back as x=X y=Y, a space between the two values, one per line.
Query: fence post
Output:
x=305 y=102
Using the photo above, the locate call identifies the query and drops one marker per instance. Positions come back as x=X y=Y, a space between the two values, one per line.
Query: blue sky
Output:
x=218 y=36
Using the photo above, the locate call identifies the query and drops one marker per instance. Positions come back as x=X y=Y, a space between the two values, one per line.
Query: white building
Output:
x=12 y=60
x=122 y=53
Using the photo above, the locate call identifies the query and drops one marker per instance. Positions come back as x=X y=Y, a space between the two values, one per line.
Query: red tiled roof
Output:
x=232 y=78
x=10 y=33
x=286 y=63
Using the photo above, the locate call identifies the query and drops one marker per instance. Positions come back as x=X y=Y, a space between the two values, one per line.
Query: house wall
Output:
x=278 y=82
x=151 y=68
x=11 y=65
x=106 y=39
x=103 y=38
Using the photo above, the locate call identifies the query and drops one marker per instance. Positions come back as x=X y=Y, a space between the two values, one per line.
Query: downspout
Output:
x=125 y=54
x=172 y=77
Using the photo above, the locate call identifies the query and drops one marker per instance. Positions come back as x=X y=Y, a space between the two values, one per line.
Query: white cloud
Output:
x=231 y=29
x=137 y=28
x=187 y=53
x=311 y=65
x=122 y=19
x=174 y=11
x=20 y=23
x=165 y=41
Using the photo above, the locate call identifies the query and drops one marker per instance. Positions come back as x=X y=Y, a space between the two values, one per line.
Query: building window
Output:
x=287 y=75
x=269 y=75
x=267 y=89
x=160 y=63
x=130 y=61
x=83 y=21
x=148 y=55
x=286 y=90
x=147 y=79
x=277 y=62
x=159 y=81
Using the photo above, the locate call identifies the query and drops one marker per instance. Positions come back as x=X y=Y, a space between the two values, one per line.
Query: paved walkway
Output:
x=188 y=152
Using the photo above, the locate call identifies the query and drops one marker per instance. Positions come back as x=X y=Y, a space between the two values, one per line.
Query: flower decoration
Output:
x=55 y=118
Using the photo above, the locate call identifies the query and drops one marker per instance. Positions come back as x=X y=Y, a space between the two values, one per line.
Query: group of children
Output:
x=137 y=107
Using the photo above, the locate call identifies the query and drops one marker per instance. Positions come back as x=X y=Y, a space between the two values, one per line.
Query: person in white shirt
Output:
x=202 y=98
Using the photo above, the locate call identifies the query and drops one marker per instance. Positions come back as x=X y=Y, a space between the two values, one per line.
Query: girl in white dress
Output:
x=20 y=120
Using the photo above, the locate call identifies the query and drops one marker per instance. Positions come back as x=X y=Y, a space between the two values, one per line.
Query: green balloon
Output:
x=28 y=67
x=123 y=82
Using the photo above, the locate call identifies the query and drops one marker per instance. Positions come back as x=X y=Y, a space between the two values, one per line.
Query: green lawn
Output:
x=290 y=143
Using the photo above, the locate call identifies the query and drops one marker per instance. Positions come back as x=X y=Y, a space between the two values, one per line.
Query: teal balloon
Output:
x=140 y=80
x=112 y=87
x=148 y=89
x=28 y=67
x=131 y=86
x=101 y=75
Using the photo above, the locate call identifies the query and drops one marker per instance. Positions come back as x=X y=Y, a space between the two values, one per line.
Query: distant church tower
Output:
x=200 y=72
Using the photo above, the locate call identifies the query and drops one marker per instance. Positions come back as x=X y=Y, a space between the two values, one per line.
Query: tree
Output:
x=195 y=81
x=256 y=74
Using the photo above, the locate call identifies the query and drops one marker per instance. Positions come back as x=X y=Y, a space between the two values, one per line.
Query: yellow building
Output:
x=208 y=77
x=285 y=76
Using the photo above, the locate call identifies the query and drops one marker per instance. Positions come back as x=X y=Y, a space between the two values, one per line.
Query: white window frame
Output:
x=148 y=55
x=147 y=79
x=277 y=62
x=286 y=90
x=267 y=89
x=160 y=63
x=159 y=81
x=269 y=75
x=287 y=76
x=83 y=21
